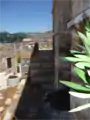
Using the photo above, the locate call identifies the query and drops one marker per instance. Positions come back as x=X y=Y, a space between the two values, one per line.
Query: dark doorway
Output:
x=9 y=63
x=18 y=69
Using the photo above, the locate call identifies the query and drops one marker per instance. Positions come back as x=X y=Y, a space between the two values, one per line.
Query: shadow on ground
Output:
x=33 y=103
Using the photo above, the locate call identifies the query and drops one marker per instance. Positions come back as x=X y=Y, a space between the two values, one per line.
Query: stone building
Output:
x=25 y=53
x=8 y=57
x=68 y=16
x=9 y=63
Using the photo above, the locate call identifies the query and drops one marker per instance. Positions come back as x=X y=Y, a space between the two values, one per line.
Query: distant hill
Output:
x=6 y=37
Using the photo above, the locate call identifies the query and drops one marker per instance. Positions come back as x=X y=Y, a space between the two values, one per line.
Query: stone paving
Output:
x=32 y=106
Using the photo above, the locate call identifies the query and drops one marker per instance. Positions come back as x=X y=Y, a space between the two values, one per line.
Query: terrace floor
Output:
x=33 y=106
x=9 y=98
x=6 y=95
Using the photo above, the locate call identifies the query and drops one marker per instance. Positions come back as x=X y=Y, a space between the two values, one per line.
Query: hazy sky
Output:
x=25 y=15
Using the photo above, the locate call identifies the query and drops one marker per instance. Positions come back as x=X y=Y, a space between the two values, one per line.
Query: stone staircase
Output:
x=42 y=69
x=32 y=104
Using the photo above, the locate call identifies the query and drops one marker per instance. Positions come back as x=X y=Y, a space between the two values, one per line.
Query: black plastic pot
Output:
x=59 y=100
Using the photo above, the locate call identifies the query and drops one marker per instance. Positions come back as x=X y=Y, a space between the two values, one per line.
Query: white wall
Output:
x=3 y=80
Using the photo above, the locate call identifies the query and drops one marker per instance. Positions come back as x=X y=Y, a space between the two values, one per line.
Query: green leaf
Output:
x=87 y=26
x=83 y=37
x=75 y=52
x=82 y=65
x=73 y=59
x=88 y=86
x=81 y=74
x=79 y=58
x=88 y=37
x=88 y=29
x=87 y=49
x=83 y=57
x=63 y=58
x=75 y=86
x=87 y=23
x=85 y=42
x=80 y=46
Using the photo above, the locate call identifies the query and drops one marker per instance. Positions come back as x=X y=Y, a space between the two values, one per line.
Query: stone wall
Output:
x=8 y=50
x=78 y=6
x=41 y=68
x=63 y=12
x=62 y=39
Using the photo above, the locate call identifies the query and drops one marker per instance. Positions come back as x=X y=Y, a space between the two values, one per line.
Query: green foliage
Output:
x=81 y=61
x=80 y=74
x=75 y=52
x=82 y=65
x=76 y=86
x=6 y=37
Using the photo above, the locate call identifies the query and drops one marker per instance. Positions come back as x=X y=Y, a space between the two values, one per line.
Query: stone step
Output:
x=42 y=64
x=43 y=59
x=45 y=52
x=47 y=77
x=48 y=87
x=43 y=56
x=43 y=79
x=44 y=74
x=41 y=71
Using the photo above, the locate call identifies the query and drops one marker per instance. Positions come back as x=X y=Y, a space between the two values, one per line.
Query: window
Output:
x=18 y=69
x=9 y=64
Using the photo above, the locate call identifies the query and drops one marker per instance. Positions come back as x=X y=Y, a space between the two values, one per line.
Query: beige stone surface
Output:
x=78 y=6
x=7 y=99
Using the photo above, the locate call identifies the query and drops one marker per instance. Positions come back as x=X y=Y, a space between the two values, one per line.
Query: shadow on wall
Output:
x=31 y=99
x=32 y=102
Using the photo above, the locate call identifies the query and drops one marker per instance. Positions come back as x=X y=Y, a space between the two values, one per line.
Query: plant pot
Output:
x=13 y=80
x=59 y=100
x=75 y=102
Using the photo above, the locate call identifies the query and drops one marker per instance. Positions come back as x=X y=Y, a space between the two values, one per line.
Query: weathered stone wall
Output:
x=64 y=47
x=78 y=6
x=2 y=64
x=8 y=50
x=42 y=67
x=62 y=39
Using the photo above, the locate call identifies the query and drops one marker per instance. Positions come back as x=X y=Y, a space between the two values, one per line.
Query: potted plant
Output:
x=81 y=68
x=13 y=80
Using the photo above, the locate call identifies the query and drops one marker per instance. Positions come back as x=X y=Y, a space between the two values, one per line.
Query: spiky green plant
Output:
x=81 y=67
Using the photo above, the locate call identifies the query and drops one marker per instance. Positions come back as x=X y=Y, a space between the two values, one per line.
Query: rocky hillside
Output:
x=6 y=37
